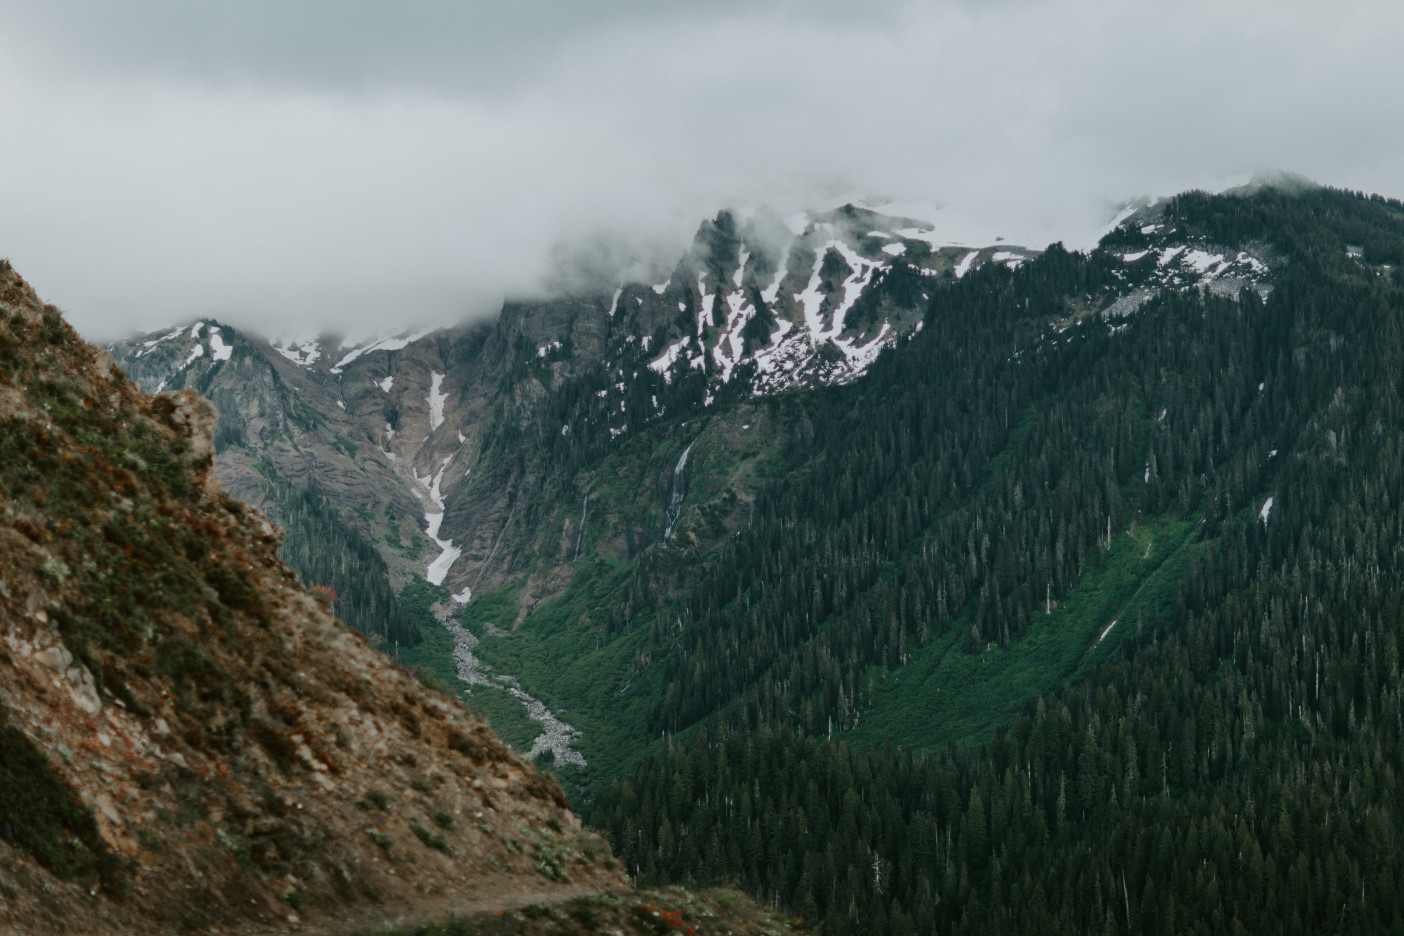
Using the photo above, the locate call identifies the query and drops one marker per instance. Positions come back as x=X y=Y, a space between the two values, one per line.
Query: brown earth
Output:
x=193 y=743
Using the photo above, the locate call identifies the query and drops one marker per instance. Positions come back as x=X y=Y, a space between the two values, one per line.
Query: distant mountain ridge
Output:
x=389 y=430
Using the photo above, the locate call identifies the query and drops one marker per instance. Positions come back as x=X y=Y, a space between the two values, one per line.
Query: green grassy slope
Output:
x=944 y=694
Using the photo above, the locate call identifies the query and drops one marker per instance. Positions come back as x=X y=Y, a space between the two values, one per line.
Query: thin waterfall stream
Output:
x=670 y=516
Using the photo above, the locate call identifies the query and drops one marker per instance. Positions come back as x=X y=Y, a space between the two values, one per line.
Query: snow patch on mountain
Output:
x=704 y=311
x=397 y=343
x=853 y=286
x=148 y=346
x=861 y=357
x=1186 y=266
x=303 y=353
x=439 y=568
x=670 y=355
x=963 y=267
x=196 y=350
x=219 y=351
x=433 y=519
x=436 y=399
x=772 y=292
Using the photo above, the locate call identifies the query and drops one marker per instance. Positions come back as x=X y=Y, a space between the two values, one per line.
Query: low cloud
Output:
x=297 y=168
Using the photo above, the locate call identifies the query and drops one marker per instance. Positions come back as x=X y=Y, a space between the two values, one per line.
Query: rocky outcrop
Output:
x=191 y=739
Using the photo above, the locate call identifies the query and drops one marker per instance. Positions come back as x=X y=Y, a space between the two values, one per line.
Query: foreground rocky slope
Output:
x=188 y=738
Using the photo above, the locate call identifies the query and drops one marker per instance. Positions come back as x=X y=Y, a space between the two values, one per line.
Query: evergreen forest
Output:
x=1059 y=623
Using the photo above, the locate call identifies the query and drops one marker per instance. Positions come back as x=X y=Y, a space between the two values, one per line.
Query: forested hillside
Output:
x=1209 y=745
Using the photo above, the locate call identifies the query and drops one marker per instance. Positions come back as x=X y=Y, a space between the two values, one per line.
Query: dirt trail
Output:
x=510 y=895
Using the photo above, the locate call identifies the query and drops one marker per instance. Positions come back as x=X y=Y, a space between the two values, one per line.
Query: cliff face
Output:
x=189 y=738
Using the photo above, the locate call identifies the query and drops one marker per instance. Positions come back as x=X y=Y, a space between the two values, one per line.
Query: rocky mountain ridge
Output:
x=190 y=739
x=391 y=430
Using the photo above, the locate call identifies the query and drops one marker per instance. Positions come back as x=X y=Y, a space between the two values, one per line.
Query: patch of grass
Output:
x=433 y=841
x=497 y=607
x=945 y=694
x=431 y=660
x=536 y=911
x=551 y=863
x=505 y=714
x=586 y=915
x=41 y=816
x=379 y=838
x=238 y=846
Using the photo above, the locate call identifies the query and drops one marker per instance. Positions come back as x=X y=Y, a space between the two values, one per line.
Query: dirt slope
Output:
x=189 y=741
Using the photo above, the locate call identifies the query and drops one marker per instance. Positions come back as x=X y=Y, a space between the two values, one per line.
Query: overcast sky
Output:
x=300 y=165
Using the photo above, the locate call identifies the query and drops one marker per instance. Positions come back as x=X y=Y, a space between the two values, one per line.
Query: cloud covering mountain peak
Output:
x=335 y=165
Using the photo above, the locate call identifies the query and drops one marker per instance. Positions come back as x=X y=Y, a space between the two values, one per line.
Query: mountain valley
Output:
x=908 y=587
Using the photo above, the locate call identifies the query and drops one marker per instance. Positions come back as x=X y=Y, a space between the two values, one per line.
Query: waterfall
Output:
x=580 y=533
x=670 y=516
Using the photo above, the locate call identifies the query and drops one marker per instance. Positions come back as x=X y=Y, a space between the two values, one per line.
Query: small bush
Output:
x=586 y=916
x=238 y=846
x=551 y=865
x=39 y=814
x=279 y=746
x=53 y=332
x=430 y=839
